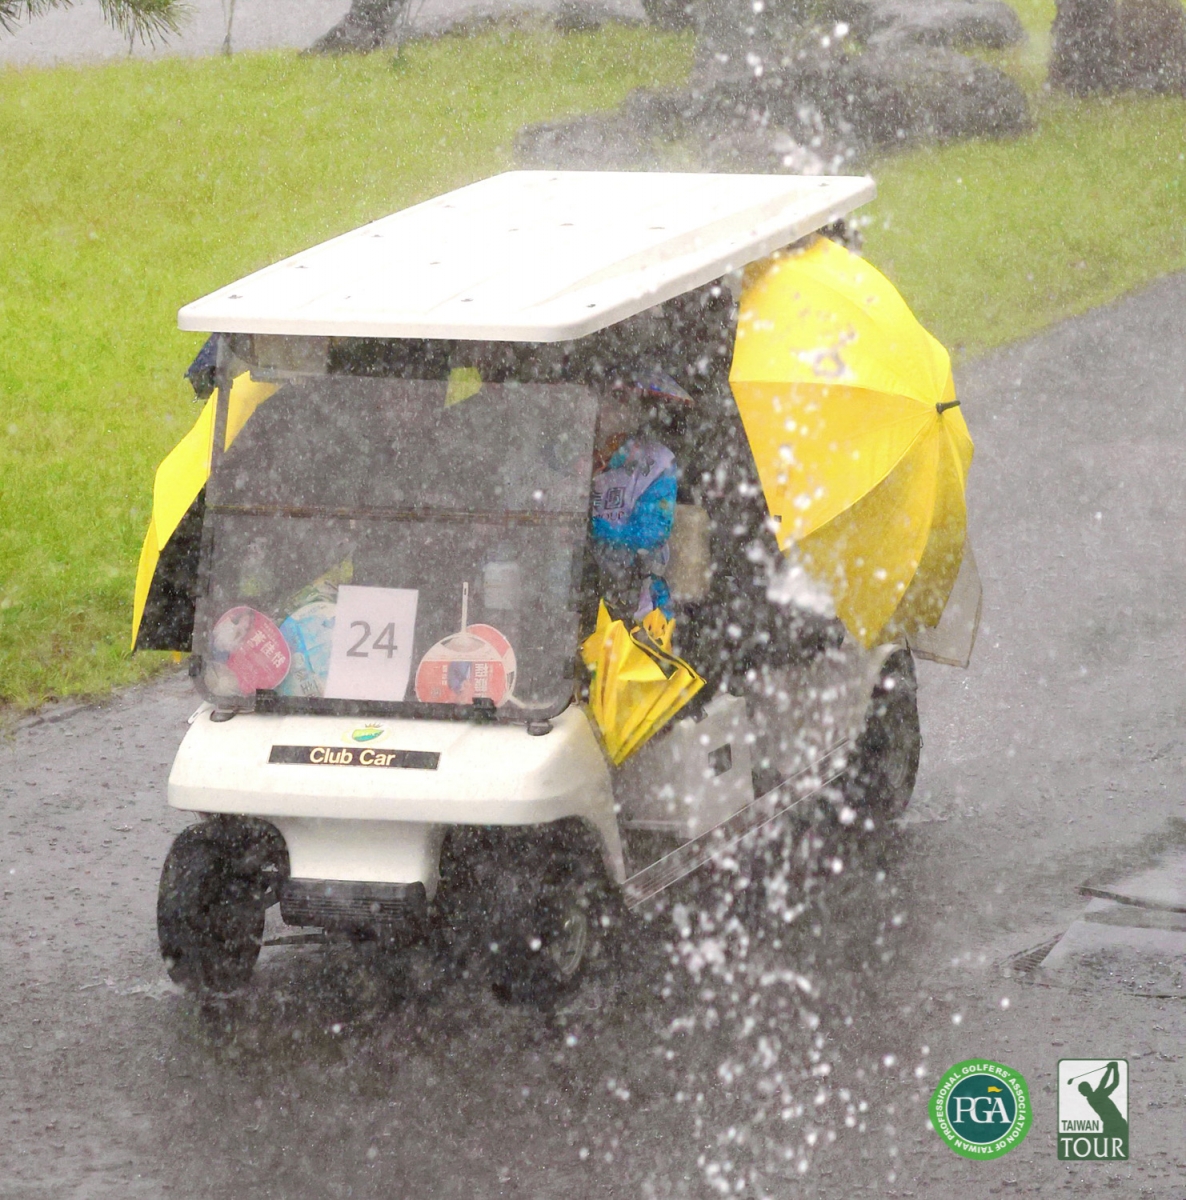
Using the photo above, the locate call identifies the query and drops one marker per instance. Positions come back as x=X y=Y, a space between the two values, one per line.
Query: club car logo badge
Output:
x=981 y=1109
x=366 y=733
x=1093 y=1110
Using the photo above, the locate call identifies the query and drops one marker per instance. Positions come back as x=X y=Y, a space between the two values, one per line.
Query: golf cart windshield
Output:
x=408 y=546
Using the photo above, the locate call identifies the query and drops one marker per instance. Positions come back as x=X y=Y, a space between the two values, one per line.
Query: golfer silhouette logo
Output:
x=981 y=1109
x=1093 y=1110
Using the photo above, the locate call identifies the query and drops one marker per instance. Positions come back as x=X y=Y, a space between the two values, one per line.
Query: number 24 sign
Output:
x=371 y=653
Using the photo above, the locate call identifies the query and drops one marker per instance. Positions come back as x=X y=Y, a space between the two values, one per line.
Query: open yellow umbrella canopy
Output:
x=182 y=475
x=849 y=407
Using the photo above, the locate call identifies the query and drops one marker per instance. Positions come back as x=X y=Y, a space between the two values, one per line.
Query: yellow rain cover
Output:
x=637 y=684
x=183 y=474
x=850 y=410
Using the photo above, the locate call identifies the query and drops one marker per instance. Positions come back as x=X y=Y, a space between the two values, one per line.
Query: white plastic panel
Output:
x=368 y=851
x=529 y=256
x=486 y=775
x=693 y=777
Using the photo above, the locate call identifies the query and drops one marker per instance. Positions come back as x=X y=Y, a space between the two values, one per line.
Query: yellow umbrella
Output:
x=637 y=684
x=182 y=475
x=850 y=410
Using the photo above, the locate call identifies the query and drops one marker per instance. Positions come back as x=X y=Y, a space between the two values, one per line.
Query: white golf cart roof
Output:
x=529 y=256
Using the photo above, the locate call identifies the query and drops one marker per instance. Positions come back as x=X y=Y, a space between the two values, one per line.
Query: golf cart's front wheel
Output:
x=533 y=904
x=548 y=928
x=218 y=879
x=880 y=778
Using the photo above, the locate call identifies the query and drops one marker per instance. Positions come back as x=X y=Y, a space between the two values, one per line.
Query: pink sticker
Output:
x=477 y=663
x=251 y=647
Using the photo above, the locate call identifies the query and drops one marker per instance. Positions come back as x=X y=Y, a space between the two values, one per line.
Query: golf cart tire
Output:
x=538 y=901
x=555 y=931
x=879 y=781
x=216 y=884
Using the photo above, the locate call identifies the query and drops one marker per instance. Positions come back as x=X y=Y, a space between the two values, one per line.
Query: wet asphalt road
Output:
x=1059 y=754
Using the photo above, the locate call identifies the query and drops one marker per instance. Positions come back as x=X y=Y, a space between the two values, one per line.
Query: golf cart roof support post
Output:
x=223 y=379
x=222 y=398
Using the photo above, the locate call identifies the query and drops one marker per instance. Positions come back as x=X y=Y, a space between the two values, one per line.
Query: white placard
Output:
x=371 y=654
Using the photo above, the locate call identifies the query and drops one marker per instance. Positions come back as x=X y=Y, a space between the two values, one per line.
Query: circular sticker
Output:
x=308 y=633
x=477 y=663
x=981 y=1109
x=247 y=653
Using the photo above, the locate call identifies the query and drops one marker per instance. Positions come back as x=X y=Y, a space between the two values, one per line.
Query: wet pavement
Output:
x=805 y=1062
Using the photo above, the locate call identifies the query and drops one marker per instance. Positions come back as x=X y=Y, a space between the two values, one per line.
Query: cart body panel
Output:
x=482 y=775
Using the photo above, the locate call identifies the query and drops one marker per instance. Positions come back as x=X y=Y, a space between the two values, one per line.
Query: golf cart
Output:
x=421 y=720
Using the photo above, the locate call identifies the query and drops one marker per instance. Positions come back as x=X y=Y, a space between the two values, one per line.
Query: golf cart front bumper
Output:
x=352 y=907
x=357 y=801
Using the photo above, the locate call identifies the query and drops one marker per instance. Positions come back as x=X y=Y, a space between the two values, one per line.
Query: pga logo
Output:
x=981 y=1109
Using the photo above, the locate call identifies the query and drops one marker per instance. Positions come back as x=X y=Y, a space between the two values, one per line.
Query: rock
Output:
x=761 y=151
x=804 y=107
x=633 y=137
x=669 y=14
x=1084 y=46
x=910 y=94
x=1152 y=50
x=609 y=143
x=769 y=115
x=585 y=16
x=1102 y=46
x=732 y=27
x=990 y=24
x=599 y=142
x=580 y=16
x=831 y=101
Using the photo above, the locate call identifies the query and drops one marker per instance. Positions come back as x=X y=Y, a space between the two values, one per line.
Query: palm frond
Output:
x=12 y=12
x=142 y=20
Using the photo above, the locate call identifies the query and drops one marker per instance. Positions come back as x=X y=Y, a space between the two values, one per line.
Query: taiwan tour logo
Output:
x=1092 y=1109
x=981 y=1109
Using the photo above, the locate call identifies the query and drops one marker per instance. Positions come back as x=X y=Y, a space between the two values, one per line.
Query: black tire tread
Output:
x=210 y=910
x=891 y=726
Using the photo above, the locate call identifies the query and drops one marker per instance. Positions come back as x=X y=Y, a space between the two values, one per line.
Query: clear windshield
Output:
x=389 y=543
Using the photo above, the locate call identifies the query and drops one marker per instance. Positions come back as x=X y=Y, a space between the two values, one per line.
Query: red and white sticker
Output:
x=477 y=663
x=249 y=646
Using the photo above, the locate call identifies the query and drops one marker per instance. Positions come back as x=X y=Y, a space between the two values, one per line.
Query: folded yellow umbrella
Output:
x=637 y=684
x=850 y=410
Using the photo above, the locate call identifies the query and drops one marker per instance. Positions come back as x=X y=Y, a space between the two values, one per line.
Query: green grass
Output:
x=132 y=188
x=992 y=241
